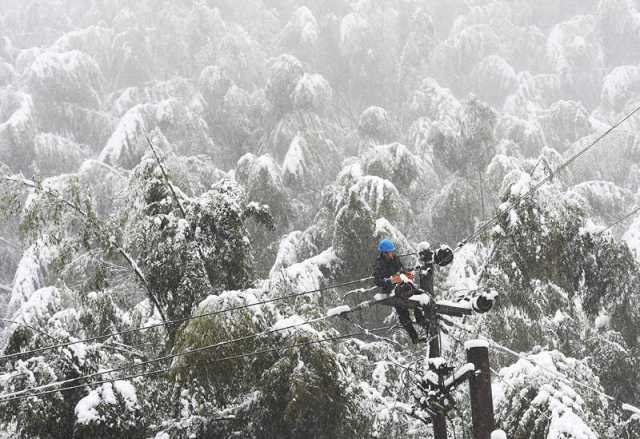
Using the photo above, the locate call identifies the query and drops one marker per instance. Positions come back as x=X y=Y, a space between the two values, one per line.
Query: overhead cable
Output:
x=181 y=320
x=217 y=360
x=329 y=315
x=514 y=204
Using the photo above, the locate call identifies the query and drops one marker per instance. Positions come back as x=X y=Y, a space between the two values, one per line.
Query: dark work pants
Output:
x=405 y=321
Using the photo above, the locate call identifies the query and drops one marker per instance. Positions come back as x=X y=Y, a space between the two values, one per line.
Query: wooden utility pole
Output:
x=480 y=389
x=426 y=283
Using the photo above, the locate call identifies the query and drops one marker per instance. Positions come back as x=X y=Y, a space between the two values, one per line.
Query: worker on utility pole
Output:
x=388 y=264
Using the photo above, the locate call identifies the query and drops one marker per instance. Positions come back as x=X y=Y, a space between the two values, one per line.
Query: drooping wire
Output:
x=217 y=360
x=363 y=305
x=532 y=190
x=618 y=221
x=181 y=320
x=560 y=376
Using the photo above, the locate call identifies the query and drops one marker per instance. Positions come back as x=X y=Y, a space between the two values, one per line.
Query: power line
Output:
x=330 y=314
x=217 y=360
x=558 y=375
x=627 y=216
x=181 y=320
x=537 y=186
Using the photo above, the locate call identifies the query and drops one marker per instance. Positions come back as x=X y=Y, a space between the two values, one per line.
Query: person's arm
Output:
x=398 y=265
x=378 y=277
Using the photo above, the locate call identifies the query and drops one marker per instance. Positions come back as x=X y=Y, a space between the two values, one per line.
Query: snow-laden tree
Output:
x=187 y=255
x=132 y=48
x=564 y=123
x=632 y=237
x=301 y=34
x=614 y=361
x=262 y=179
x=493 y=79
x=279 y=393
x=17 y=130
x=353 y=235
x=435 y=102
x=575 y=54
x=532 y=402
x=534 y=92
x=312 y=93
x=393 y=162
x=545 y=251
x=375 y=125
x=472 y=44
x=55 y=154
x=311 y=162
x=284 y=73
x=41 y=321
x=618 y=23
x=175 y=125
x=454 y=211
x=7 y=74
x=66 y=77
x=619 y=87
x=469 y=148
x=526 y=50
x=605 y=201
x=109 y=411
x=526 y=134
x=294 y=247
x=612 y=160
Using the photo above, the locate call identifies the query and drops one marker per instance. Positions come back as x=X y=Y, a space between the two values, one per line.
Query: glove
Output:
x=388 y=284
x=443 y=256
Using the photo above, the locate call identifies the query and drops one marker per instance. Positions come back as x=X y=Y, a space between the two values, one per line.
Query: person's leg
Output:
x=419 y=316
x=405 y=321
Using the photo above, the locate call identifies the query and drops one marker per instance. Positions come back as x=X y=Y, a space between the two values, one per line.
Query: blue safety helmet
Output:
x=386 y=246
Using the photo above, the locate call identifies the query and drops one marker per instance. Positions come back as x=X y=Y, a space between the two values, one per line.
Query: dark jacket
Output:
x=385 y=268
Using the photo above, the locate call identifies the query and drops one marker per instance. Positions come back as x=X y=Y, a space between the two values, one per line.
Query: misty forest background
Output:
x=295 y=136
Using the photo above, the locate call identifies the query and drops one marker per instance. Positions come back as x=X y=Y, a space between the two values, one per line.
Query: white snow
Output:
x=568 y=424
x=422 y=299
x=130 y=128
x=463 y=304
x=621 y=82
x=466 y=368
x=338 y=310
x=41 y=305
x=312 y=92
x=292 y=324
x=437 y=362
x=306 y=275
x=380 y=194
x=463 y=271
x=632 y=237
x=477 y=343
x=633 y=409
x=379 y=375
x=352 y=28
x=294 y=162
x=498 y=434
x=306 y=24
x=602 y=321
x=85 y=410
x=229 y=299
x=128 y=393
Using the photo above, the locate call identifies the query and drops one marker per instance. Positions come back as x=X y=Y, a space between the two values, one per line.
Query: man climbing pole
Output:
x=388 y=264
